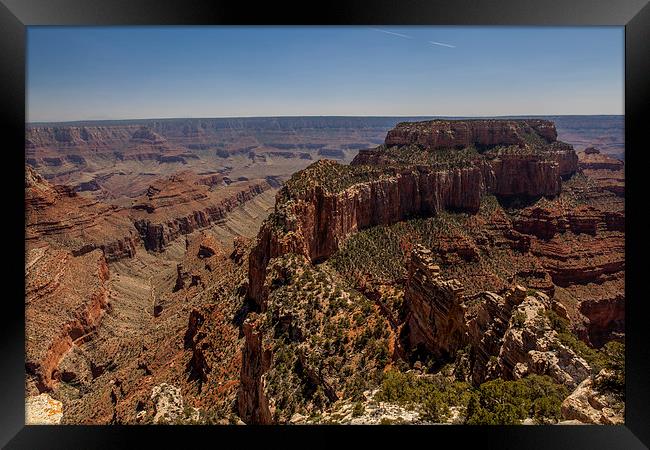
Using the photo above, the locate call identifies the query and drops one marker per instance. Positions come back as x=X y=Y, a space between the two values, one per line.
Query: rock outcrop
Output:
x=59 y=216
x=526 y=176
x=462 y=133
x=545 y=222
x=168 y=404
x=530 y=345
x=587 y=405
x=43 y=410
x=510 y=336
x=324 y=204
x=436 y=315
x=607 y=172
x=592 y=159
x=315 y=222
x=252 y=402
x=184 y=203
x=315 y=343
x=582 y=249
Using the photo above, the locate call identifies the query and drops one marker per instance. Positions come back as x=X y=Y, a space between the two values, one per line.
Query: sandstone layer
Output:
x=608 y=172
x=588 y=404
x=313 y=216
x=57 y=215
x=184 y=203
x=501 y=205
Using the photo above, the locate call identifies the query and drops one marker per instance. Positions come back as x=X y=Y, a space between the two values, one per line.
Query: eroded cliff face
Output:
x=65 y=299
x=174 y=206
x=423 y=170
x=252 y=402
x=183 y=203
x=83 y=146
x=608 y=172
x=315 y=343
x=517 y=158
x=59 y=216
x=583 y=250
x=316 y=222
x=382 y=186
x=436 y=313
x=588 y=404
x=456 y=133
x=510 y=336
x=520 y=176
x=188 y=338
x=98 y=342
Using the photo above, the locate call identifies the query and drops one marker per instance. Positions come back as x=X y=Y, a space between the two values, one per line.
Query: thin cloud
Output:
x=442 y=44
x=393 y=33
x=406 y=36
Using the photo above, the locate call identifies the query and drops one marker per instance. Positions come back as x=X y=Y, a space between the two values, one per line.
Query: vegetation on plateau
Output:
x=496 y=402
x=325 y=336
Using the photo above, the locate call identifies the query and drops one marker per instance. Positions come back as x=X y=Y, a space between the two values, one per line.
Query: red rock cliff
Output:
x=452 y=133
x=317 y=222
x=322 y=205
x=182 y=204
x=509 y=335
x=59 y=216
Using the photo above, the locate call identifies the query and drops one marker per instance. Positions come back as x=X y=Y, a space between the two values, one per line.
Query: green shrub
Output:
x=435 y=407
x=613 y=355
x=518 y=319
x=435 y=395
x=557 y=323
x=500 y=402
x=358 y=409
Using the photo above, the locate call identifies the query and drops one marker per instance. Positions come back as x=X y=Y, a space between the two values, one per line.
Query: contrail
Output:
x=442 y=44
x=393 y=33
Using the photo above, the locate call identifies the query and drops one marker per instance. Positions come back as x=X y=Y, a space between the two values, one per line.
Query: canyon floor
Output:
x=325 y=270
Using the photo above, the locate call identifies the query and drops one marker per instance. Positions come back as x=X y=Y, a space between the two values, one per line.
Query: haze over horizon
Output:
x=130 y=73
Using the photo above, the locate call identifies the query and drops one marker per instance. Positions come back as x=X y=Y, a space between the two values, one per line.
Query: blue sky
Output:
x=77 y=73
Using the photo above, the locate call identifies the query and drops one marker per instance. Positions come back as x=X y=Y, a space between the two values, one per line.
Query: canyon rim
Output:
x=409 y=283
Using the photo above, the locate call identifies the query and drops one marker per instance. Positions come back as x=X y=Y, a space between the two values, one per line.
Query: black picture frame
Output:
x=15 y=15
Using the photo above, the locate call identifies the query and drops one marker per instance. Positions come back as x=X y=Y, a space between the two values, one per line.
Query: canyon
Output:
x=319 y=209
x=227 y=271
x=315 y=219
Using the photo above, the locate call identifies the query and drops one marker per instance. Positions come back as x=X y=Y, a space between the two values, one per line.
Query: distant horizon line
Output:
x=487 y=116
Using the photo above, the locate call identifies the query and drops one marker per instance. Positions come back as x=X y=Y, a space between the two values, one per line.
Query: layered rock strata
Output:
x=58 y=215
x=608 y=172
x=252 y=402
x=182 y=204
x=174 y=206
x=316 y=222
x=456 y=133
x=434 y=304
x=321 y=206
x=510 y=335
x=65 y=299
